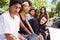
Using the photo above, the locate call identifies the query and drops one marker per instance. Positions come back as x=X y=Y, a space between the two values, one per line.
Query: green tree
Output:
x=58 y=8
x=54 y=9
x=4 y=4
x=37 y=4
x=54 y=1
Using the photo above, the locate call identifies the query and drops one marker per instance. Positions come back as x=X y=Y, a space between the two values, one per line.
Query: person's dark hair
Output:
x=30 y=4
x=41 y=11
x=12 y=2
x=21 y=9
x=40 y=17
x=36 y=13
x=31 y=10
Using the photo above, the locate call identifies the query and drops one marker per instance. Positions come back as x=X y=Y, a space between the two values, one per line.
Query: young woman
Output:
x=26 y=29
x=31 y=14
x=25 y=8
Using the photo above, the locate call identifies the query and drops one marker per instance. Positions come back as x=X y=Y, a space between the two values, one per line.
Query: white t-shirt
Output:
x=8 y=25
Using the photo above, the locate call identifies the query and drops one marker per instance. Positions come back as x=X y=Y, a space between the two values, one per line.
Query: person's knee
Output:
x=33 y=37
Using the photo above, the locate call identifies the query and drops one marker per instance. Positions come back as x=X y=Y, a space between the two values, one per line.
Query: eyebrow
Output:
x=44 y=19
x=17 y=7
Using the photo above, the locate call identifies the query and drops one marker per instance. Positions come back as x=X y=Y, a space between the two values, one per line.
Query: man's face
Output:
x=43 y=20
x=15 y=8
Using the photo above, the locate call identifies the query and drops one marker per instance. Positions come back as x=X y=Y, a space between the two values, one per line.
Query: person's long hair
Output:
x=21 y=9
x=45 y=13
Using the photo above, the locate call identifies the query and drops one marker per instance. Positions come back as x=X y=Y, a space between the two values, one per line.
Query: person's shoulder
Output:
x=4 y=15
x=27 y=14
x=1 y=16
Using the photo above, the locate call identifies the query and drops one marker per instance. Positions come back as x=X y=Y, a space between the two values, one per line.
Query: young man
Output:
x=9 y=22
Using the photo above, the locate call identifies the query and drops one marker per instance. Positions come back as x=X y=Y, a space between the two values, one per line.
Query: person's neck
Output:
x=11 y=14
x=22 y=13
x=43 y=13
x=31 y=15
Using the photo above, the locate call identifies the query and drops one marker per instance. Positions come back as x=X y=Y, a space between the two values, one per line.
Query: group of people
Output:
x=22 y=22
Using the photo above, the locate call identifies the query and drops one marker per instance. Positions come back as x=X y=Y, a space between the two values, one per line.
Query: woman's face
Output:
x=26 y=7
x=43 y=20
x=43 y=10
x=32 y=12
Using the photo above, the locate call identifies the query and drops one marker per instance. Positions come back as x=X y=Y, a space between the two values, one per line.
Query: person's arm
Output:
x=46 y=32
x=29 y=26
x=40 y=37
x=24 y=28
x=21 y=37
x=48 y=19
x=10 y=37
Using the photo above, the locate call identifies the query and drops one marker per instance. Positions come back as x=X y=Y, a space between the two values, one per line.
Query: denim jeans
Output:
x=31 y=36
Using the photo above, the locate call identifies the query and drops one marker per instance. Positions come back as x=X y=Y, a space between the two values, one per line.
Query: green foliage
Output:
x=54 y=1
x=4 y=4
x=58 y=7
x=37 y=4
x=55 y=10
x=53 y=15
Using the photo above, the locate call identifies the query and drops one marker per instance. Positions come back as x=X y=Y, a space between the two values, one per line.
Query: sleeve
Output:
x=4 y=26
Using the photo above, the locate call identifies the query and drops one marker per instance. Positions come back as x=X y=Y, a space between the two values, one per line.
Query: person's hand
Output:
x=46 y=27
x=40 y=37
x=18 y=39
x=46 y=33
x=22 y=38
